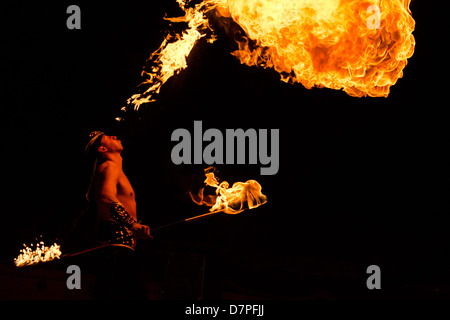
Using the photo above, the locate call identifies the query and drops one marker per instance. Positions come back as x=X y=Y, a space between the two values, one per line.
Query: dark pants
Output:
x=118 y=276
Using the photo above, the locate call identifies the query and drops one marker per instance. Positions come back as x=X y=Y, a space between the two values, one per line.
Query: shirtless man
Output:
x=115 y=196
x=116 y=220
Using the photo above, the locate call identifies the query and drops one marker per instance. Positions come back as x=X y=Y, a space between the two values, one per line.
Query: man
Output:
x=117 y=222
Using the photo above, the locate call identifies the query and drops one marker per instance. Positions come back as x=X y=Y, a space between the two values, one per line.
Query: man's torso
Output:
x=125 y=194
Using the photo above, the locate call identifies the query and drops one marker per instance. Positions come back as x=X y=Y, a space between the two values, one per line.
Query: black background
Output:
x=362 y=180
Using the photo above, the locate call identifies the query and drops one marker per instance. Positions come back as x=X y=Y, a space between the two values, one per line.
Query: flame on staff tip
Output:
x=42 y=253
x=241 y=195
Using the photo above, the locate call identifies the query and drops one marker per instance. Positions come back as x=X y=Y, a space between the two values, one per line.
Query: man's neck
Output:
x=114 y=157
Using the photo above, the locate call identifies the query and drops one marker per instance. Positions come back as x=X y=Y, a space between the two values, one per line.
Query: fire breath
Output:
x=235 y=147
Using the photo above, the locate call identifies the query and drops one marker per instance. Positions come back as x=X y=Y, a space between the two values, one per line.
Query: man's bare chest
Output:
x=124 y=187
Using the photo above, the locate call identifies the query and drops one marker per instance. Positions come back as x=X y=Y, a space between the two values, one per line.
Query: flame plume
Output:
x=318 y=43
x=241 y=195
x=170 y=58
x=327 y=43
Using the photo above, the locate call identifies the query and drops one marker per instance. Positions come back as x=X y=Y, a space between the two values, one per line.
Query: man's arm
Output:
x=109 y=178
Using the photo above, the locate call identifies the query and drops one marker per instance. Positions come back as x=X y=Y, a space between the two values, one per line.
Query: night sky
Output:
x=361 y=181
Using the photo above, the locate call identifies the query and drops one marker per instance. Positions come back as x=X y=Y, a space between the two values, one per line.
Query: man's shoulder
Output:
x=108 y=166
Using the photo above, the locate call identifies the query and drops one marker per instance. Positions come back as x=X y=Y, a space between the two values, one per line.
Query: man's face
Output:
x=111 y=143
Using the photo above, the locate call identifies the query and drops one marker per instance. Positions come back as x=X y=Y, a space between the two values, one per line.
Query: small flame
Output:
x=241 y=196
x=40 y=254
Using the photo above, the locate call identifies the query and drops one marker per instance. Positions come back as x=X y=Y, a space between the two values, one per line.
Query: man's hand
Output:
x=141 y=231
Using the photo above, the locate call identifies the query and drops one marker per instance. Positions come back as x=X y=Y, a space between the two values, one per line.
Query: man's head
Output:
x=101 y=144
x=109 y=144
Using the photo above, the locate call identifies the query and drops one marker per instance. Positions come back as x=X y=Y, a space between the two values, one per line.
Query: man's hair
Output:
x=91 y=149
